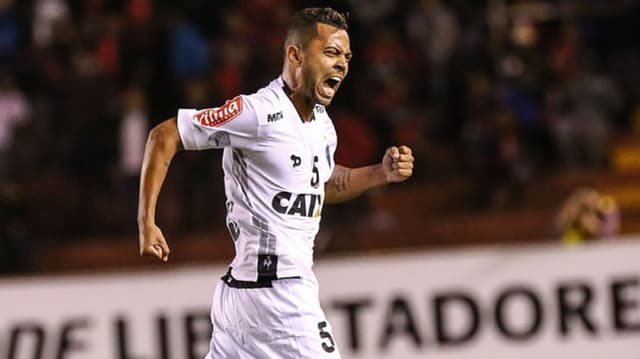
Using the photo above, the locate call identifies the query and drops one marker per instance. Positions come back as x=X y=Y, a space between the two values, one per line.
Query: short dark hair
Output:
x=302 y=27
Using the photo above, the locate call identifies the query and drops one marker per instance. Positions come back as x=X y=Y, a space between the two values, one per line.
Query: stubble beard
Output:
x=310 y=88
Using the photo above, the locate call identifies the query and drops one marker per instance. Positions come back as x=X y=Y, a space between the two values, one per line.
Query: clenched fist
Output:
x=397 y=163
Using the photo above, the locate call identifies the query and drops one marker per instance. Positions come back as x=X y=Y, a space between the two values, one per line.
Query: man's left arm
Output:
x=347 y=183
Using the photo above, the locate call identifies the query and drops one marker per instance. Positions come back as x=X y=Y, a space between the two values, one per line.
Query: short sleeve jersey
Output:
x=275 y=167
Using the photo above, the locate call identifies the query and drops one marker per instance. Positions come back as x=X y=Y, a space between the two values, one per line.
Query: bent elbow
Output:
x=165 y=135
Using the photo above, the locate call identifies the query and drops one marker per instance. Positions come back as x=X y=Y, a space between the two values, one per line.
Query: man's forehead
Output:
x=330 y=35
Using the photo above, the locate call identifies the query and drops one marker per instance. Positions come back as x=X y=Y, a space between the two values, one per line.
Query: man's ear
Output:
x=294 y=54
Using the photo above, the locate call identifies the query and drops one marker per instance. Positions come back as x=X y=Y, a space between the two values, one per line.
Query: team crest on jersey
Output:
x=222 y=139
x=214 y=117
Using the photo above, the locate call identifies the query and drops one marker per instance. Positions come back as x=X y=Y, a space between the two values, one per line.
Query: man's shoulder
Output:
x=266 y=96
x=267 y=103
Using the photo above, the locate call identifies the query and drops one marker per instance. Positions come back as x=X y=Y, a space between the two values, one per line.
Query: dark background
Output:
x=508 y=105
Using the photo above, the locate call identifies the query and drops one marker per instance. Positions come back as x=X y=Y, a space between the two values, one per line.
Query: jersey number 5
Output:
x=331 y=347
x=315 y=178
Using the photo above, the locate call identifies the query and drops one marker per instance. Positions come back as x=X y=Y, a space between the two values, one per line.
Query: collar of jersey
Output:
x=288 y=91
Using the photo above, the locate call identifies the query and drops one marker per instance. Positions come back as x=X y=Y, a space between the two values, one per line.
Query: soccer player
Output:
x=279 y=171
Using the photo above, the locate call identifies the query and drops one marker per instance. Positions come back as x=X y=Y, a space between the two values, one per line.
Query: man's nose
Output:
x=341 y=66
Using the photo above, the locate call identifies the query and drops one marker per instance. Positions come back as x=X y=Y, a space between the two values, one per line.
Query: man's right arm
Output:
x=162 y=144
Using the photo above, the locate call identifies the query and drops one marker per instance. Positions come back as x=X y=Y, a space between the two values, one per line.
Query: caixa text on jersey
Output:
x=302 y=204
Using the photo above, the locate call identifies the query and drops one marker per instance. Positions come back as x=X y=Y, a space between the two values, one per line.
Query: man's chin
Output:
x=322 y=100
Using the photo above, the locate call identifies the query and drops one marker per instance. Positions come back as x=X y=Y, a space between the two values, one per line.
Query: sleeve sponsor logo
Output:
x=215 y=117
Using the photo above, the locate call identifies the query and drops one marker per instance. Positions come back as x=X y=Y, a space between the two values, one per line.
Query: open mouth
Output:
x=330 y=86
x=333 y=82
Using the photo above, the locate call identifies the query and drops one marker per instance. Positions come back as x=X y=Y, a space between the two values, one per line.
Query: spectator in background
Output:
x=477 y=131
x=8 y=31
x=89 y=134
x=107 y=45
x=372 y=12
x=134 y=125
x=385 y=63
x=586 y=215
x=565 y=49
x=47 y=15
x=133 y=133
x=492 y=148
x=582 y=113
x=520 y=82
x=136 y=43
x=189 y=51
x=433 y=26
x=233 y=57
x=14 y=111
x=510 y=170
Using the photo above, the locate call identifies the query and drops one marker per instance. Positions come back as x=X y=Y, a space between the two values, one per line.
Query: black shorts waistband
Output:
x=262 y=282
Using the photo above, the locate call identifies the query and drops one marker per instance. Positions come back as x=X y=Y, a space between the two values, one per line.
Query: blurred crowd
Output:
x=499 y=90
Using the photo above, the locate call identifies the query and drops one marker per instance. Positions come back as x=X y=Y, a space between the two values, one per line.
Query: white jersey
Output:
x=275 y=167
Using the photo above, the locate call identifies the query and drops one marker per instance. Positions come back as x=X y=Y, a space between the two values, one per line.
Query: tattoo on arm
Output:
x=340 y=180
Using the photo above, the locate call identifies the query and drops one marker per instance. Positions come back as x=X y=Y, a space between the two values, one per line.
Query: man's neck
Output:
x=302 y=103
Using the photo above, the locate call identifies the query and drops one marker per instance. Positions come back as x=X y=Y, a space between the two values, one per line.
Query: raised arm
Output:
x=347 y=183
x=162 y=144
